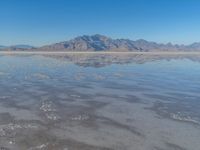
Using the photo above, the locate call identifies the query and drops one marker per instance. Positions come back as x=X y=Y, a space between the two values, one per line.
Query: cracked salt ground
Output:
x=49 y=110
x=47 y=106
x=40 y=147
x=9 y=132
x=183 y=118
x=80 y=118
x=170 y=110
x=52 y=116
x=10 y=129
x=43 y=147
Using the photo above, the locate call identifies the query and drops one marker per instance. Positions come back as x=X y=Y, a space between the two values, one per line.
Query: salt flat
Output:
x=99 y=52
x=99 y=101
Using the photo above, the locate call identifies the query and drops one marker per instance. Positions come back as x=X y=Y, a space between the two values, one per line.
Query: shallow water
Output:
x=65 y=103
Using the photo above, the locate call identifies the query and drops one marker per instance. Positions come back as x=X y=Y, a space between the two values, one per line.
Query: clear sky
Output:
x=40 y=22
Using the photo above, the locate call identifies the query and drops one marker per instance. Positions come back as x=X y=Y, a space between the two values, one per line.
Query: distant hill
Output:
x=103 y=43
x=2 y=47
x=17 y=48
x=23 y=46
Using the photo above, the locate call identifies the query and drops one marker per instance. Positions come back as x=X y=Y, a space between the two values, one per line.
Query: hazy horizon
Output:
x=44 y=22
x=27 y=44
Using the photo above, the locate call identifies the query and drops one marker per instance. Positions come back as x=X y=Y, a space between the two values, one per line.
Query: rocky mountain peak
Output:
x=99 y=42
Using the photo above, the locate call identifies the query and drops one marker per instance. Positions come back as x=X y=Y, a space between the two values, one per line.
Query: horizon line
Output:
x=51 y=43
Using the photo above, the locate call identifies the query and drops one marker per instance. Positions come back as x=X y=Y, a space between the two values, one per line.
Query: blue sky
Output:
x=40 y=22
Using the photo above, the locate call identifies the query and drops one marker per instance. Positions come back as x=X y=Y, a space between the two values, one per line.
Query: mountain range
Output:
x=103 y=43
x=16 y=47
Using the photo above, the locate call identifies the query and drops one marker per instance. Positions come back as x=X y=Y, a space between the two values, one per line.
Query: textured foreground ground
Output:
x=99 y=102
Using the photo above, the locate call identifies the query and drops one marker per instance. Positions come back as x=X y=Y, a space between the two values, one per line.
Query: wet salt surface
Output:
x=49 y=103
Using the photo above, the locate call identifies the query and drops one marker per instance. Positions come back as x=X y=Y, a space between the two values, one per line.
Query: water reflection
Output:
x=101 y=102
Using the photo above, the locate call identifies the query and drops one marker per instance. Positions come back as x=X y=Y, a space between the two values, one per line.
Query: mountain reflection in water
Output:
x=99 y=102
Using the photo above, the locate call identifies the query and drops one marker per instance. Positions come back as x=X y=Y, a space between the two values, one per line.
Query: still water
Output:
x=68 y=103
